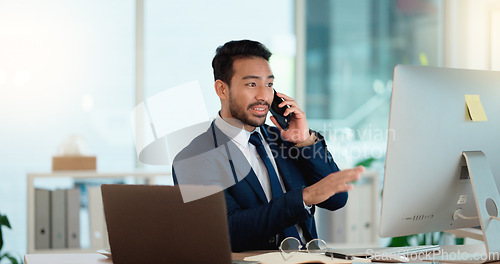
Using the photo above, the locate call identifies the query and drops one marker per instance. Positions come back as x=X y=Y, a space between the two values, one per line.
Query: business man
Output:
x=289 y=171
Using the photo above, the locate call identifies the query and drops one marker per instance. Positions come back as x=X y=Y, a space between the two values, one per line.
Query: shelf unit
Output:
x=356 y=224
x=63 y=179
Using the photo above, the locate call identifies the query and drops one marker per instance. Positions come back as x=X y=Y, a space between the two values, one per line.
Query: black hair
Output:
x=226 y=54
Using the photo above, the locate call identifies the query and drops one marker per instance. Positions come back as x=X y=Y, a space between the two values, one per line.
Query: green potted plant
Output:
x=4 y=221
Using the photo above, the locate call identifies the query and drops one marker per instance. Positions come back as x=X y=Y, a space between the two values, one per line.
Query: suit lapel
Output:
x=221 y=138
x=252 y=180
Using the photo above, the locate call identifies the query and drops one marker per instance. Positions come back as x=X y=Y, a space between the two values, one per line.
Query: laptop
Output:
x=152 y=224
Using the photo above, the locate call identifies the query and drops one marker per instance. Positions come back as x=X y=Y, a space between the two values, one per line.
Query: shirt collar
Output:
x=238 y=135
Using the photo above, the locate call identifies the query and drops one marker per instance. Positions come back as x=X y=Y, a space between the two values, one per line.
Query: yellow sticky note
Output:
x=475 y=108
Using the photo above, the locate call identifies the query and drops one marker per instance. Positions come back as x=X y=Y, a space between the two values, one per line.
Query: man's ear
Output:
x=221 y=88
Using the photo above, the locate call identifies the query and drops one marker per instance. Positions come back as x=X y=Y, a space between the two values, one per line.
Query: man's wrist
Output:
x=309 y=141
x=305 y=197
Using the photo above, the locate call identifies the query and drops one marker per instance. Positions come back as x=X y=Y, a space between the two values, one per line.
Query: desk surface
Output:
x=84 y=258
x=95 y=258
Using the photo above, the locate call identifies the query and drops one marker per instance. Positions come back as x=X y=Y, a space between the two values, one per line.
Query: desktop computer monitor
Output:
x=427 y=186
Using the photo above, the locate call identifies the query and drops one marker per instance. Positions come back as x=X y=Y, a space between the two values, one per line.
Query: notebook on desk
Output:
x=152 y=224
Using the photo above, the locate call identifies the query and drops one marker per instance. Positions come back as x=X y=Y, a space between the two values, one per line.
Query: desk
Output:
x=96 y=258
x=82 y=258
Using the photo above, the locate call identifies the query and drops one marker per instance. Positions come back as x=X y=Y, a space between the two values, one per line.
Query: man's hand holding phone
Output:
x=298 y=132
x=298 y=129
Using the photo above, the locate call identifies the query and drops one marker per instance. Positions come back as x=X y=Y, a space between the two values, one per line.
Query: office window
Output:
x=66 y=67
x=181 y=38
x=351 y=50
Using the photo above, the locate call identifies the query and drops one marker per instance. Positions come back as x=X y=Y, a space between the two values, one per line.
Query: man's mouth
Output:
x=259 y=109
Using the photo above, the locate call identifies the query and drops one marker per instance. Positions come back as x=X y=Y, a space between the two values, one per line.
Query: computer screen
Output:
x=426 y=178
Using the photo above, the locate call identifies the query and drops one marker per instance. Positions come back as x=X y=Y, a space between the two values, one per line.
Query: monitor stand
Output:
x=487 y=200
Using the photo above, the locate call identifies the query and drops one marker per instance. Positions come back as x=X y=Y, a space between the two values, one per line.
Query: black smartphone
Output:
x=278 y=112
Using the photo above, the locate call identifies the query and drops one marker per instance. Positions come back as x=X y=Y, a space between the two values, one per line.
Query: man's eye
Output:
x=270 y=85
x=252 y=84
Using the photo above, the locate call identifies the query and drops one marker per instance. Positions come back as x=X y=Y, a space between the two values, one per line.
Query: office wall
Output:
x=468 y=26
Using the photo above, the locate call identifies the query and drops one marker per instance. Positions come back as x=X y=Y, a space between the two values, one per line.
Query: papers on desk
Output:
x=300 y=257
x=105 y=252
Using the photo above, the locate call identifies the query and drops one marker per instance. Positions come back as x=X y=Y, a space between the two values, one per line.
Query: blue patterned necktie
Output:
x=273 y=177
x=276 y=189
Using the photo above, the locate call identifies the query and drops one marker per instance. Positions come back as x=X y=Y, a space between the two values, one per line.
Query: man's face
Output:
x=251 y=91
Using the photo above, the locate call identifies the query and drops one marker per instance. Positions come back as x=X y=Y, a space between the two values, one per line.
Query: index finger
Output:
x=356 y=172
x=284 y=96
x=360 y=168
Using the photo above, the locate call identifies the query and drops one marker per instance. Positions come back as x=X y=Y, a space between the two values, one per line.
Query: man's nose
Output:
x=264 y=93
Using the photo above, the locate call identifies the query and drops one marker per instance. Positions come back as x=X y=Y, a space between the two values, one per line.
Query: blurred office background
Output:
x=80 y=67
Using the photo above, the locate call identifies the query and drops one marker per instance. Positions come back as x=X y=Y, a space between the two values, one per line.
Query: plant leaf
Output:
x=436 y=238
x=366 y=162
x=4 y=221
x=1 y=239
x=10 y=257
x=400 y=241
x=13 y=260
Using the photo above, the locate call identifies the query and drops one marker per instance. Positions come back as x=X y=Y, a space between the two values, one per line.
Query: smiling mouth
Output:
x=259 y=110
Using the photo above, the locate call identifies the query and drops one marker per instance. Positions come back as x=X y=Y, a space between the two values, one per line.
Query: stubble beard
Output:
x=239 y=112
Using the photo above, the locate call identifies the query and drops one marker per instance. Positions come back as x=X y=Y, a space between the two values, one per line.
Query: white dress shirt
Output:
x=241 y=137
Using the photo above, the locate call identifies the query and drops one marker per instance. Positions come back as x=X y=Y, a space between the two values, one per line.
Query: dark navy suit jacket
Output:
x=254 y=223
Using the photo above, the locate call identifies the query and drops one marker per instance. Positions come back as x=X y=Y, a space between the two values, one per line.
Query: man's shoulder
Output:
x=200 y=144
x=205 y=142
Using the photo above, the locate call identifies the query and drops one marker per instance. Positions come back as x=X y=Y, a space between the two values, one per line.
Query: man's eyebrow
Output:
x=251 y=77
x=256 y=77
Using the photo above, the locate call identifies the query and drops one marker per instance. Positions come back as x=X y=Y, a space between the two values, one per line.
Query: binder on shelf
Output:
x=366 y=222
x=98 y=231
x=359 y=214
x=58 y=219
x=338 y=226
x=73 y=218
x=42 y=219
